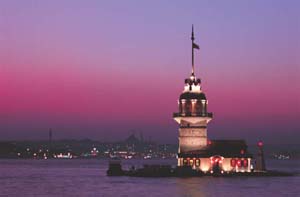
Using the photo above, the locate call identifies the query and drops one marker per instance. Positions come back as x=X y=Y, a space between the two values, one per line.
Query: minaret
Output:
x=50 y=143
x=192 y=116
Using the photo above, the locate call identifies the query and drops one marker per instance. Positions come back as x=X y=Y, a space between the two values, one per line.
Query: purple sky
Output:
x=101 y=70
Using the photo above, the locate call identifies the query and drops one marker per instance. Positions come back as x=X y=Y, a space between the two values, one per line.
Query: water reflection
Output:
x=190 y=187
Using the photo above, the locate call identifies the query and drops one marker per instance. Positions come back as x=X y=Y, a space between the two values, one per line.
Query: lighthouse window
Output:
x=188 y=107
x=198 y=107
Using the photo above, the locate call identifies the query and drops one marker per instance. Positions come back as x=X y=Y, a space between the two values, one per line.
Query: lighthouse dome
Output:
x=193 y=95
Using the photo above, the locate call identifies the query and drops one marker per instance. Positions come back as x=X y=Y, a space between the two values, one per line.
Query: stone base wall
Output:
x=206 y=164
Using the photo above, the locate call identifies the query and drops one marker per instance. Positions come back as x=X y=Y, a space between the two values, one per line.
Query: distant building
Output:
x=195 y=149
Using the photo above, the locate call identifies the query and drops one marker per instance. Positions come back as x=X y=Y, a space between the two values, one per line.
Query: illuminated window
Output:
x=191 y=162
x=233 y=162
x=185 y=162
x=197 y=162
x=245 y=163
x=239 y=163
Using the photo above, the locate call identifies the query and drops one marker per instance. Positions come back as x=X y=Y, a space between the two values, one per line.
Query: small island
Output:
x=197 y=154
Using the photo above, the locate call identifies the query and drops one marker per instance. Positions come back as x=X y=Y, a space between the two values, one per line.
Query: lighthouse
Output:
x=192 y=115
x=195 y=150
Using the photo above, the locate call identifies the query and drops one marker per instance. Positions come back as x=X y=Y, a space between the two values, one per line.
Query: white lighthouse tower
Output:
x=192 y=116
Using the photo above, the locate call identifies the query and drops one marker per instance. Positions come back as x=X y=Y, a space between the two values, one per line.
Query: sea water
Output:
x=87 y=177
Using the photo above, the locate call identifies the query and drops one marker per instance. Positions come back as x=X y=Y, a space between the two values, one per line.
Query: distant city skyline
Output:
x=100 y=70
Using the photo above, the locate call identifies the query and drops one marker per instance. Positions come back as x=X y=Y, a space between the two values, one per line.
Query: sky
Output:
x=105 y=69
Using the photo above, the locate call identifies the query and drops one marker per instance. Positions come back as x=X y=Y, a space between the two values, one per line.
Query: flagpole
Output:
x=192 y=38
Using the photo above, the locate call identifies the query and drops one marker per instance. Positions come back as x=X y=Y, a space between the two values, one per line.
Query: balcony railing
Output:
x=193 y=115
